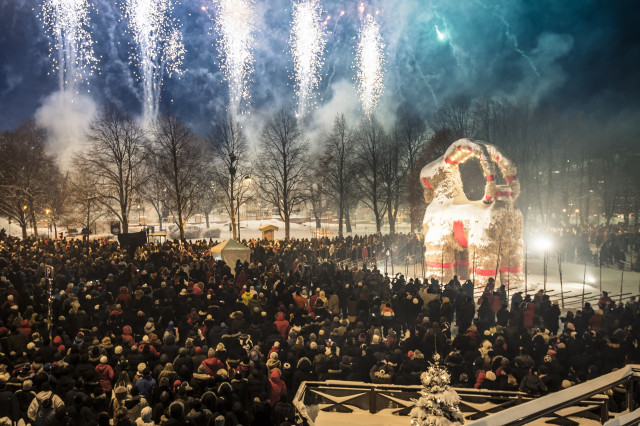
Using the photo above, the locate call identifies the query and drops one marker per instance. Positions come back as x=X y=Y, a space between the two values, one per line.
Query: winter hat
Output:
x=145 y=414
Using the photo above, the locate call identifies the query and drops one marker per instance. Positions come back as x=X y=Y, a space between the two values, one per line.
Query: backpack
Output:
x=45 y=409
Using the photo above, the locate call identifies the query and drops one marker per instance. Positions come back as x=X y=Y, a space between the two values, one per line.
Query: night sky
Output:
x=576 y=56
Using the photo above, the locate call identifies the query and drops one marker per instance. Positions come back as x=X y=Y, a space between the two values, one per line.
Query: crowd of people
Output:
x=169 y=335
x=611 y=245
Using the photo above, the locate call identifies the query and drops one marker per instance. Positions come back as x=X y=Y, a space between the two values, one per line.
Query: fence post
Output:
x=372 y=401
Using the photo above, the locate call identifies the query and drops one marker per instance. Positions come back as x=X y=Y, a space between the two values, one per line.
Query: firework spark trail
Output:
x=369 y=64
x=235 y=25
x=71 y=47
x=307 y=47
x=330 y=60
x=510 y=36
x=425 y=79
x=514 y=40
x=159 y=45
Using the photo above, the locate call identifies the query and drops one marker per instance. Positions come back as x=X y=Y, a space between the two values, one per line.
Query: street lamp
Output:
x=47 y=212
x=244 y=186
x=544 y=243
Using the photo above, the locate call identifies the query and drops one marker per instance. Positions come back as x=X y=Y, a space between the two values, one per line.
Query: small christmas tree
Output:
x=438 y=404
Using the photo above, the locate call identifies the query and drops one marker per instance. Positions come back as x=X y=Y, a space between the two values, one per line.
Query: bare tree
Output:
x=316 y=193
x=282 y=164
x=26 y=175
x=155 y=192
x=58 y=205
x=180 y=164
x=393 y=171
x=114 y=161
x=410 y=132
x=455 y=114
x=210 y=198
x=369 y=153
x=86 y=207
x=337 y=164
x=231 y=171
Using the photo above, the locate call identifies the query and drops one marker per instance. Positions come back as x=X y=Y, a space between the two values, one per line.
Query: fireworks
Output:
x=159 y=47
x=307 y=47
x=235 y=24
x=369 y=63
x=71 y=47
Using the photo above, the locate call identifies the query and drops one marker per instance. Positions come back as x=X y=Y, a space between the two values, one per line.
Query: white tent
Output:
x=231 y=251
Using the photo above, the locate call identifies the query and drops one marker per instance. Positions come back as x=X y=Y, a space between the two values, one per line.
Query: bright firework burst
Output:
x=235 y=25
x=369 y=63
x=307 y=47
x=159 y=45
x=71 y=47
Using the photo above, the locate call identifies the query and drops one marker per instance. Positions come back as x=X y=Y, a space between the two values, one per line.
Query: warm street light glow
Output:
x=542 y=243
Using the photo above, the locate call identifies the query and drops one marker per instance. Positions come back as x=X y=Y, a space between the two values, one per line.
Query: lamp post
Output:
x=544 y=243
x=244 y=187
x=232 y=211
x=47 y=211
x=24 y=216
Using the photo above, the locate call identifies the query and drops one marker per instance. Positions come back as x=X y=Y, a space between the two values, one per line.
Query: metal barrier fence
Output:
x=576 y=405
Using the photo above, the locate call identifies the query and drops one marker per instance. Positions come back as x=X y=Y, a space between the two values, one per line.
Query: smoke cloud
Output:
x=65 y=117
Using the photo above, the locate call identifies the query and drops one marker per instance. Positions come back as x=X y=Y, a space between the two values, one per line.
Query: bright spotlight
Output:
x=542 y=243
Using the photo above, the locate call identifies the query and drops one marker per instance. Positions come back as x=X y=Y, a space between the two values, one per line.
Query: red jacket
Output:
x=529 y=314
x=282 y=325
x=105 y=375
x=126 y=335
x=277 y=386
x=212 y=365
x=595 y=322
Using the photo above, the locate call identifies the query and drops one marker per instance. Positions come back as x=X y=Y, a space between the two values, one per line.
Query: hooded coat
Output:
x=282 y=325
x=276 y=386
x=105 y=376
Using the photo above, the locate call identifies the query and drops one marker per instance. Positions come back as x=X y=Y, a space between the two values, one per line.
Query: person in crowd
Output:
x=166 y=334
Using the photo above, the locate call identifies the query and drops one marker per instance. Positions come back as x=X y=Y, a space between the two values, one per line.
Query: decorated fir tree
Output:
x=438 y=404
